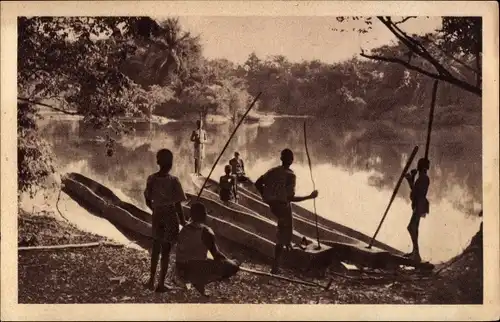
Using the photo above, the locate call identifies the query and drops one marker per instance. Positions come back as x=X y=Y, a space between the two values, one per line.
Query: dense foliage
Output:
x=76 y=63
x=107 y=68
x=34 y=160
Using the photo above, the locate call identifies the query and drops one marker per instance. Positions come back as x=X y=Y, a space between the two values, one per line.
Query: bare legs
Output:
x=278 y=252
x=413 y=230
x=284 y=233
x=165 y=258
x=164 y=249
x=197 y=166
x=155 y=256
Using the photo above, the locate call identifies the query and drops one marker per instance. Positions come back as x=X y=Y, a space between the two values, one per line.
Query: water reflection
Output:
x=355 y=169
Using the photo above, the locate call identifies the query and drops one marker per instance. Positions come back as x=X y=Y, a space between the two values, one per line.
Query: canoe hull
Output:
x=102 y=202
x=346 y=249
x=130 y=226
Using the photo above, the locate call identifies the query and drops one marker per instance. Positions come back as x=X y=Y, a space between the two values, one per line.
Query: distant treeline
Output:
x=353 y=90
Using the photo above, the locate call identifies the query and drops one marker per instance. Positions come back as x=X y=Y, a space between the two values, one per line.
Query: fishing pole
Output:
x=314 y=185
x=398 y=184
x=227 y=143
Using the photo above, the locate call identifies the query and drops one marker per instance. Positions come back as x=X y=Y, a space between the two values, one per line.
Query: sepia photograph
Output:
x=249 y=159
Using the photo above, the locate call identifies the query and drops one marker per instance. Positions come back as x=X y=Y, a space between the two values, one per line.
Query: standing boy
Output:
x=192 y=263
x=277 y=187
x=419 y=203
x=164 y=195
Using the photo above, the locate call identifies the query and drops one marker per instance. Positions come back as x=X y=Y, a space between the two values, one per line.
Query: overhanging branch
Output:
x=447 y=78
x=401 y=62
x=413 y=45
x=420 y=50
x=47 y=105
x=405 y=19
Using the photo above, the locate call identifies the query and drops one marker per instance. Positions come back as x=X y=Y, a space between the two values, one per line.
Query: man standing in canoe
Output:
x=164 y=194
x=199 y=137
x=192 y=264
x=277 y=187
x=419 y=203
x=238 y=167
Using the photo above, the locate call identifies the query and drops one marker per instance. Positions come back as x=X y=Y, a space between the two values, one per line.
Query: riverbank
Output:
x=112 y=274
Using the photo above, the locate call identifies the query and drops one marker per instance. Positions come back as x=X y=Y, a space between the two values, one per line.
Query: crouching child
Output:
x=192 y=264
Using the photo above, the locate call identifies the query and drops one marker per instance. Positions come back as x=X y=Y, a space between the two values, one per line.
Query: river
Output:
x=355 y=170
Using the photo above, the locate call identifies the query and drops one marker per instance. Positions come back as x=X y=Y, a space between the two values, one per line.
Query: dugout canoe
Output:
x=348 y=246
x=248 y=189
x=301 y=224
x=236 y=224
x=102 y=202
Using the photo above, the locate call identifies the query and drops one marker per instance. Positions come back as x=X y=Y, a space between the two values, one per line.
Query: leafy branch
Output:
x=47 y=105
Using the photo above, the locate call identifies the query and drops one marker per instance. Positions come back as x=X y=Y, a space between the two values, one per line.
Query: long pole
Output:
x=293 y=280
x=314 y=185
x=431 y=118
x=227 y=143
x=405 y=170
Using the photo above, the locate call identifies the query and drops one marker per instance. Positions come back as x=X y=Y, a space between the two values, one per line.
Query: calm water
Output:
x=355 y=170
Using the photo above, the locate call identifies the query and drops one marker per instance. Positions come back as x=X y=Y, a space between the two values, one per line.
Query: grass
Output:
x=114 y=275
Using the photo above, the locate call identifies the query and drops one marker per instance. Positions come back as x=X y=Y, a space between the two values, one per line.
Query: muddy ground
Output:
x=110 y=274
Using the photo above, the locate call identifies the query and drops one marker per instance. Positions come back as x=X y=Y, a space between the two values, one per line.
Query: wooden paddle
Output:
x=398 y=184
x=227 y=143
x=314 y=185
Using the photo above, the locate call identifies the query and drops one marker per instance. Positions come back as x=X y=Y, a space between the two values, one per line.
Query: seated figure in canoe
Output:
x=419 y=203
x=228 y=190
x=164 y=194
x=192 y=264
x=238 y=168
x=277 y=187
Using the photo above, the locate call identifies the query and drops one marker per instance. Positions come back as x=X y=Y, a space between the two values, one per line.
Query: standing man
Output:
x=277 y=187
x=419 y=203
x=238 y=167
x=199 y=137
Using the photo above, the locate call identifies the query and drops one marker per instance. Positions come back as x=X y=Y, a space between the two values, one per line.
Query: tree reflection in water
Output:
x=346 y=160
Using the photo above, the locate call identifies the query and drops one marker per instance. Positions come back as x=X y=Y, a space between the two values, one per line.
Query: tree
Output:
x=170 y=56
x=215 y=87
x=459 y=40
x=75 y=62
